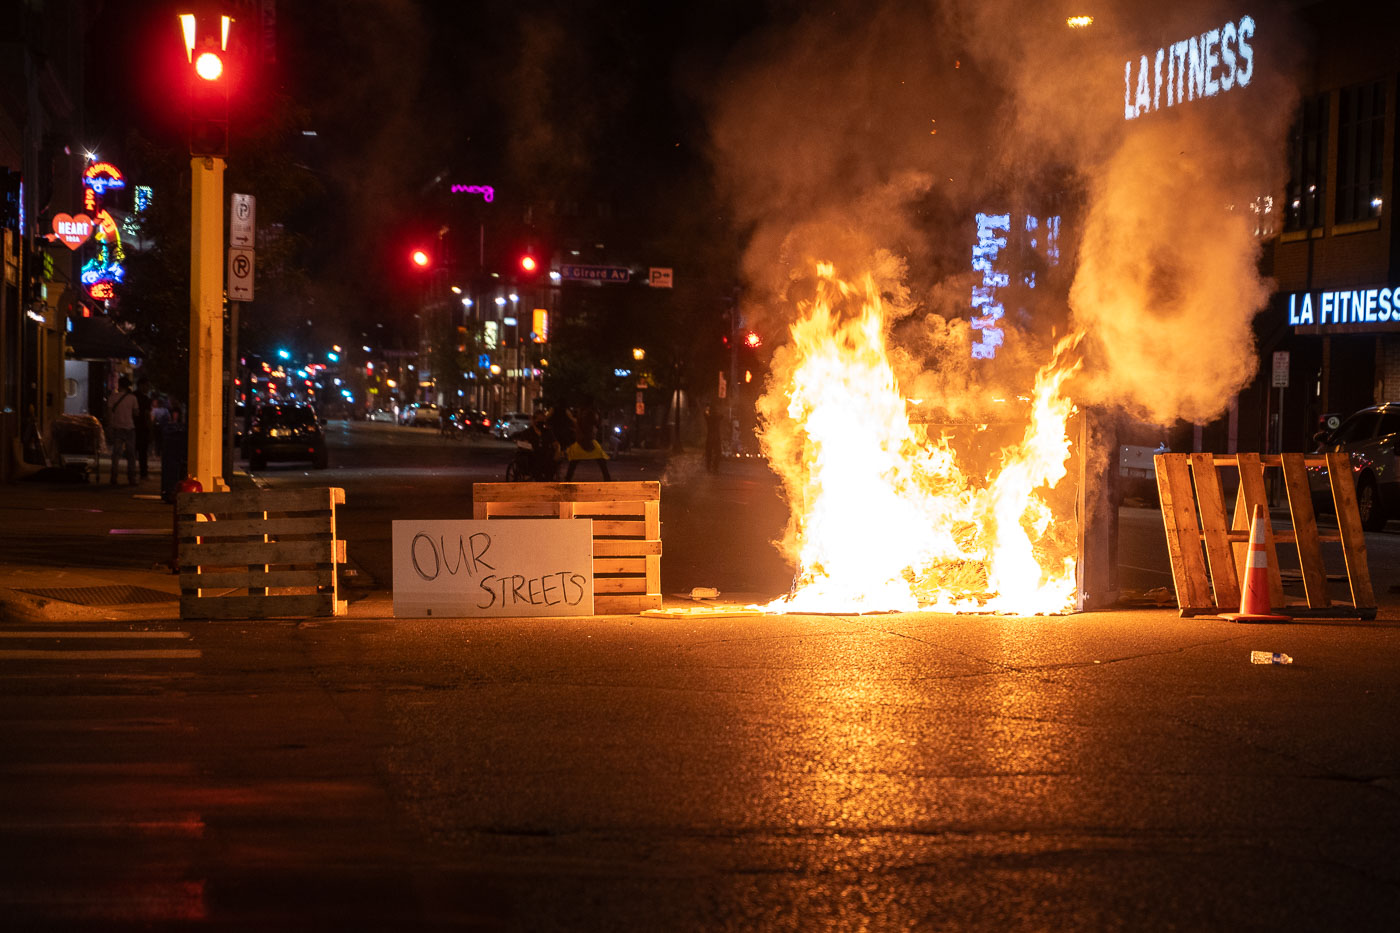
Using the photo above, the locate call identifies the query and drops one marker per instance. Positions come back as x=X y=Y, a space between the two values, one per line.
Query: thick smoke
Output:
x=850 y=134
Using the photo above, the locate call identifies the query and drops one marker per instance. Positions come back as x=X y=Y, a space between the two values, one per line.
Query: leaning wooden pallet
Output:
x=1208 y=553
x=259 y=554
x=626 y=531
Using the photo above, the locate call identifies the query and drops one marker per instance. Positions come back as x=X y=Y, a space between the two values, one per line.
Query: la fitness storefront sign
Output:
x=1353 y=311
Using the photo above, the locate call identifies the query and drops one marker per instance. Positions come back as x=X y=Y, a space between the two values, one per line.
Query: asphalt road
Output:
x=1113 y=771
x=717 y=529
x=1102 y=771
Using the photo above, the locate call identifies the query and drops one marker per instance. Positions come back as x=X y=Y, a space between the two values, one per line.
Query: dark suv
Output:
x=285 y=431
x=1372 y=437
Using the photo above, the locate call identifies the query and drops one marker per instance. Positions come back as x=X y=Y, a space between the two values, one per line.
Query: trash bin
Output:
x=174 y=458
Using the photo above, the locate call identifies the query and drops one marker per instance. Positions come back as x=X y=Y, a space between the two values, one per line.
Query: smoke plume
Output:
x=852 y=134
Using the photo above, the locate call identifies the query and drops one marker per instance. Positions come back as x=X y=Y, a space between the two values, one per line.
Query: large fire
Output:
x=884 y=517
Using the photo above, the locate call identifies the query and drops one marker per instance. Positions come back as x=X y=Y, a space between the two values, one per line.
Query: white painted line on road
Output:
x=94 y=634
x=191 y=828
x=169 y=654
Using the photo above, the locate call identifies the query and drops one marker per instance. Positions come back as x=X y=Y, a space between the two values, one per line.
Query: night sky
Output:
x=547 y=102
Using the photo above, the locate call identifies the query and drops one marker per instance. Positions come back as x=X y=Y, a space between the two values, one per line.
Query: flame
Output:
x=883 y=515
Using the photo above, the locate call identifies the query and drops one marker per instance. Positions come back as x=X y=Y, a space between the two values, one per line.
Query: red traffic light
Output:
x=420 y=258
x=528 y=264
x=206 y=45
x=209 y=66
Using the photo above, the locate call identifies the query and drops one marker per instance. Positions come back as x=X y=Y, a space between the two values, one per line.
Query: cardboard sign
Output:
x=502 y=567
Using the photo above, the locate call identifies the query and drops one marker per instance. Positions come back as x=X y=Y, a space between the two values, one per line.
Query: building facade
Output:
x=1334 y=255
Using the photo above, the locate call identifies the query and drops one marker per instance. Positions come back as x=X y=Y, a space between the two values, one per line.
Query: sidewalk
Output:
x=74 y=552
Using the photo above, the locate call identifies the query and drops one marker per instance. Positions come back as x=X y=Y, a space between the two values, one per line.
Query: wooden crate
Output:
x=626 y=532
x=259 y=554
x=1208 y=553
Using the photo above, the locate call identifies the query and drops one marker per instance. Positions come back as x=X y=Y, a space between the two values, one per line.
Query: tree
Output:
x=155 y=299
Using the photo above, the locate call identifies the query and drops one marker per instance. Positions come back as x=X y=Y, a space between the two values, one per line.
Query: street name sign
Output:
x=502 y=567
x=240 y=274
x=611 y=274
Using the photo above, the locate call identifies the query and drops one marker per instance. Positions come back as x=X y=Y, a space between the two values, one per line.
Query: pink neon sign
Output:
x=488 y=194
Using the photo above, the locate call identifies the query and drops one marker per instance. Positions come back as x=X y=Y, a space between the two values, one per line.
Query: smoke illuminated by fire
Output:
x=884 y=515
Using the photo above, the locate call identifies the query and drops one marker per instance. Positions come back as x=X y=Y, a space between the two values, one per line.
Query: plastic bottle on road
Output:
x=1264 y=657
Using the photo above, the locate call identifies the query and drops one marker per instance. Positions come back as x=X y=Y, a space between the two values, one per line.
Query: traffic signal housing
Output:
x=206 y=50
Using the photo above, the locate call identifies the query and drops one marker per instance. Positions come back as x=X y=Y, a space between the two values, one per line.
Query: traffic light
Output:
x=420 y=258
x=206 y=48
x=528 y=265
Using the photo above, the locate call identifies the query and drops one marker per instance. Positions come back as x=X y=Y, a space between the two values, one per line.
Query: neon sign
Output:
x=101 y=273
x=488 y=194
x=984 y=296
x=1353 y=306
x=1216 y=61
x=988 y=255
x=97 y=180
x=72 y=231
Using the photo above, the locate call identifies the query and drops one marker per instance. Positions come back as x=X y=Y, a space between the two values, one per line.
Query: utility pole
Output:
x=206 y=321
x=206 y=42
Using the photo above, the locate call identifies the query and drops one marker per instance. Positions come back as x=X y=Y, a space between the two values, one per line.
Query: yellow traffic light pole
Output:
x=206 y=322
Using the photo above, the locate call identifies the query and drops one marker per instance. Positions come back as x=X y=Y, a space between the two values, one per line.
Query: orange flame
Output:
x=883 y=516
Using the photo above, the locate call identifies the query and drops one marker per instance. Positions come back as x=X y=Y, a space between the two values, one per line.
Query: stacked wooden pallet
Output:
x=258 y=554
x=1208 y=549
x=626 y=531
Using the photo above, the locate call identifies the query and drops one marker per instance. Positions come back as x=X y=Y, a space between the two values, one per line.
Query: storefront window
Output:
x=1307 y=157
x=1360 y=139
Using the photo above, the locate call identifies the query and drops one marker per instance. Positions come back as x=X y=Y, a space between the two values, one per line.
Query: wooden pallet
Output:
x=259 y=554
x=626 y=532
x=1208 y=555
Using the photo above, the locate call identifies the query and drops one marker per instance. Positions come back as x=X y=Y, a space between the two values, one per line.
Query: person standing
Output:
x=143 y=424
x=160 y=416
x=585 y=445
x=713 y=420
x=122 y=411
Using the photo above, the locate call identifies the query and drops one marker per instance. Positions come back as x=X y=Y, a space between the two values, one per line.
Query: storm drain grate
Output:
x=116 y=595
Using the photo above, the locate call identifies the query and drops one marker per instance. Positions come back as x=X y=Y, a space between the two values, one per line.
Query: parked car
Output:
x=421 y=415
x=510 y=423
x=283 y=432
x=1372 y=437
x=382 y=414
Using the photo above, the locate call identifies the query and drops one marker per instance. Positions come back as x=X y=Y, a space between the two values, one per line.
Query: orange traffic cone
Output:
x=1254 y=588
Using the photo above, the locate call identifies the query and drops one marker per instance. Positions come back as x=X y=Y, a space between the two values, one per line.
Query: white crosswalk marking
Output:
x=89 y=634
x=62 y=652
